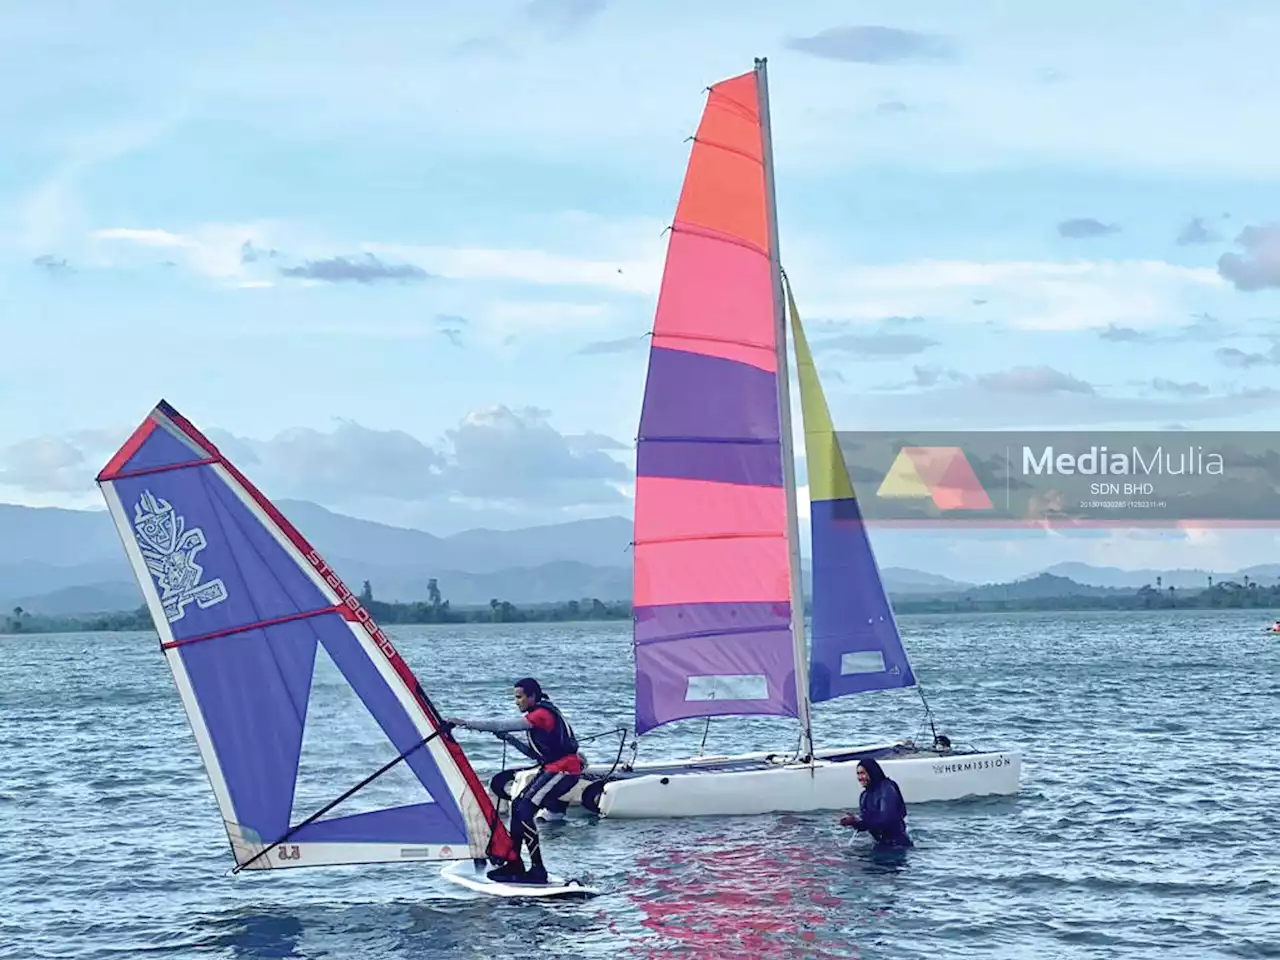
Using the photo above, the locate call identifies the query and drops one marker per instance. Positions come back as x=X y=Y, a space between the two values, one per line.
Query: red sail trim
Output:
x=164 y=469
x=126 y=452
x=500 y=844
x=231 y=631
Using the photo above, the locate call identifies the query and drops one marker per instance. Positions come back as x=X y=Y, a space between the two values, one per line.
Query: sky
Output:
x=401 y=258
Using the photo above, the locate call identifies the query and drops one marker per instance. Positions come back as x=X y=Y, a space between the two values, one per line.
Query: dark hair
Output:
x=531 y=688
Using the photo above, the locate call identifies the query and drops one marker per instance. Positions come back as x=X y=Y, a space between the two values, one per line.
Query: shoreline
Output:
x=1217 y=598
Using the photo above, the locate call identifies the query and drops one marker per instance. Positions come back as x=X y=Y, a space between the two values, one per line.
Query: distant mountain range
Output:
x=66 y=562
x=57 y=561
x=1264 y=574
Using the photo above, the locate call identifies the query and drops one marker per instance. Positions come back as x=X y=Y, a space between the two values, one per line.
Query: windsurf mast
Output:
x=784 y=407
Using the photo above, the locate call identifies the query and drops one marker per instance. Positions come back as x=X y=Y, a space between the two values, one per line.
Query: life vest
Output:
x=554 y=744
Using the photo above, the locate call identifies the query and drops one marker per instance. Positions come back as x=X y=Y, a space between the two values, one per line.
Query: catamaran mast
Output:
x=784 y=408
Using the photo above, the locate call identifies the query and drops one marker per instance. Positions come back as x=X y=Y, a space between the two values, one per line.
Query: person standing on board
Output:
x=881 y=809
x=551 y=742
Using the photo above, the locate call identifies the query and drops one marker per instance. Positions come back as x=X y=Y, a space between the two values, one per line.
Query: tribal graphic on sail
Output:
x=170 y=552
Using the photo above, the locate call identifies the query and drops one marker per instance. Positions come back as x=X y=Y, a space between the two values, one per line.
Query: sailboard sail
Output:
x=242 y=604
x=854 y=644
x=712 y=577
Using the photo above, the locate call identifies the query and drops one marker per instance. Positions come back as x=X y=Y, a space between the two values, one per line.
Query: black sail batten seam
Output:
x=329 y=806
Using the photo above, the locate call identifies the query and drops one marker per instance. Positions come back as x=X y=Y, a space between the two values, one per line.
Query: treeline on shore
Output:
x=993 y=598
x=435 y=609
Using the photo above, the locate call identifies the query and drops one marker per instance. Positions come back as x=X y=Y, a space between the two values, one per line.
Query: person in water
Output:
x=881 y=810
x=551 y=742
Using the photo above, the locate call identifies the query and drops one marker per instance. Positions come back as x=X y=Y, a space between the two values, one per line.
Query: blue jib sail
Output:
x=854 y=644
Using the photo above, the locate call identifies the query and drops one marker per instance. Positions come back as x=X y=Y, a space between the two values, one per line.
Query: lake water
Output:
x=1146 y=827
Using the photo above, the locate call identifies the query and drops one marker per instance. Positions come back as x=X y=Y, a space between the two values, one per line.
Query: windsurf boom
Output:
x=243 y=606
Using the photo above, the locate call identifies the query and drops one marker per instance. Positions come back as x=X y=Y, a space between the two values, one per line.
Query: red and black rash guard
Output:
x=552 y=739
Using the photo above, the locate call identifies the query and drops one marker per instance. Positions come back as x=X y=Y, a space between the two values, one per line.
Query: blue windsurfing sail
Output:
x=242 y=605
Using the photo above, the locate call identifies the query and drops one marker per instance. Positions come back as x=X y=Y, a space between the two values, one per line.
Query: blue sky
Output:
x=401 y=257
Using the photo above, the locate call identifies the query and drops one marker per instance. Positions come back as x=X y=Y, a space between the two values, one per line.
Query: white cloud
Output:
x=57 y=471
x=586 y=252
x=45 y=463
x=625 y=256
x=1033 y=295
x=515 y=460
x=147 y=238
x=213 y=250
x=52 y=212
x=985 y=406
x=535 y=267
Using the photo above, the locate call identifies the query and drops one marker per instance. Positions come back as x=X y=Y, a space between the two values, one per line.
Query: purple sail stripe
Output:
x=676 y=620
x=418 y=823
x=692 y=396
x=750 y=639
x=756 y=464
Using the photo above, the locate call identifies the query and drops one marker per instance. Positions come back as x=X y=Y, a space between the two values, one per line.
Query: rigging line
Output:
x=329 y=806
x=928 y=712
x=603 y=733
x=622 y=745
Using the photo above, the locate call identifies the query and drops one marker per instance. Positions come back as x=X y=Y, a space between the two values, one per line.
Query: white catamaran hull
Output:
x=762 y=783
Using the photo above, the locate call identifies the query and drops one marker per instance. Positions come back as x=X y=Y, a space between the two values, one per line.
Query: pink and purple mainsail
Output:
x=712 y=590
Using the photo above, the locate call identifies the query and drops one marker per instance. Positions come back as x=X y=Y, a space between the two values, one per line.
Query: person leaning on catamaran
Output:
x=551 y=742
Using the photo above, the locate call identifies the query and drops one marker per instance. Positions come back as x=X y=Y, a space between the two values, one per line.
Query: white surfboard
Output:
x=465 y=874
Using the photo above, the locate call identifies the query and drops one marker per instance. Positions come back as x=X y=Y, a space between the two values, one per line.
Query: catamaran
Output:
x=246 y=612
x=719 y=624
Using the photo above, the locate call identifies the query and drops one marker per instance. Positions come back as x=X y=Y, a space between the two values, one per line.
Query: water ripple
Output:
x=1145 y=828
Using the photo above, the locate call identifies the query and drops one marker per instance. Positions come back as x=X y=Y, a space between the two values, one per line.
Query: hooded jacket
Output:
x=881 y=809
